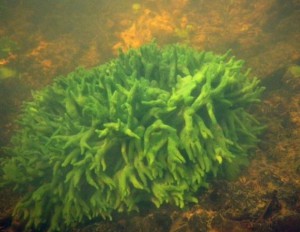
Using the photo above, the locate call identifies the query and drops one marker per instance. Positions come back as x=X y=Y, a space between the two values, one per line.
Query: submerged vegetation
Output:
x=150 y=126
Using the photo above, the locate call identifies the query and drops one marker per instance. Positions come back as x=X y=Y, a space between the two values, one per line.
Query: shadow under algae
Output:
x=151 y=125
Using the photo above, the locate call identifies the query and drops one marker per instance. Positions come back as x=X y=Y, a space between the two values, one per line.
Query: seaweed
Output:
x=151 y=125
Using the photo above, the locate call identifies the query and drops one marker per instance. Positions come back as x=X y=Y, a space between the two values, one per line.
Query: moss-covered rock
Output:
x=151 y=125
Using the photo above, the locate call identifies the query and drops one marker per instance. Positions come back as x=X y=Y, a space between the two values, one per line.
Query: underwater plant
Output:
x=149 y=126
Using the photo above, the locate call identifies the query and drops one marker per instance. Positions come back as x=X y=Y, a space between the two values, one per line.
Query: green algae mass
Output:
x=149 y=126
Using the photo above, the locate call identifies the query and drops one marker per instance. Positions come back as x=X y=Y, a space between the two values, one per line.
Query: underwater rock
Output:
x=149 y=126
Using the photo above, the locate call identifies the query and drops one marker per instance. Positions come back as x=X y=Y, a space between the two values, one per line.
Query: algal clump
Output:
x=151 y=125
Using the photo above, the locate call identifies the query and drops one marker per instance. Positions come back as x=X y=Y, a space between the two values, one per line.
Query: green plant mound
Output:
x=149 y=126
